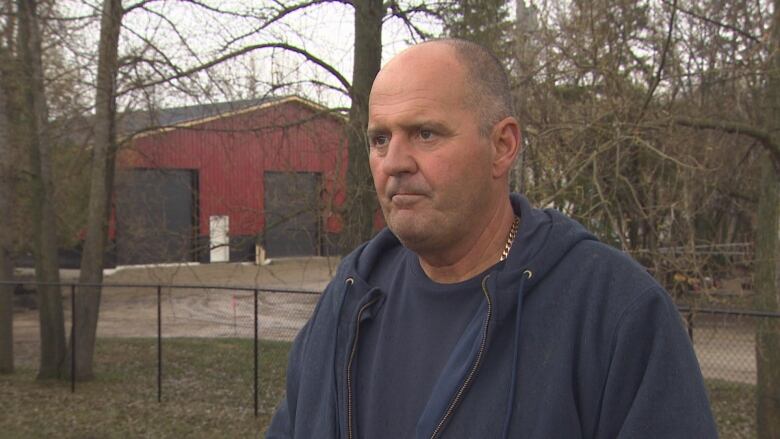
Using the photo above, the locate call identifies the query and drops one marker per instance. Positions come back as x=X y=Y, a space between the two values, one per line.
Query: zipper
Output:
x=347 y=285
x=474 y=368
x=349 y=365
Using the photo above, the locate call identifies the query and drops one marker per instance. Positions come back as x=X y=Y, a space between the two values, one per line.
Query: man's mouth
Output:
x=404 y=199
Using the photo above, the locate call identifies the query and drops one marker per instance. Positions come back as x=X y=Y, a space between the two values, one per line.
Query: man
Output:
x=474 y=315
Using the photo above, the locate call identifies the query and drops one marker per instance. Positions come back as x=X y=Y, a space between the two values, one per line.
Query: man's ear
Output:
x=505 y=141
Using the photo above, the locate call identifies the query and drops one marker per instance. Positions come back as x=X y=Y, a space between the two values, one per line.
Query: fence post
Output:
x=159 y=343
x=256 y=352
x=72 y=338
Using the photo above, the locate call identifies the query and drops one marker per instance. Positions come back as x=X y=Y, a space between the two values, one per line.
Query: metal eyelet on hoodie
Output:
x=528 y=273
x=349 y=281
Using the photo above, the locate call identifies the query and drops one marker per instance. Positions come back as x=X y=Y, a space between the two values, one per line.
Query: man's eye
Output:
x=379 y=141
x=426 y=134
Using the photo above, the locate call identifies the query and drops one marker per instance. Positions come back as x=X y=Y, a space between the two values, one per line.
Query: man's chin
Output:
x=412 y=236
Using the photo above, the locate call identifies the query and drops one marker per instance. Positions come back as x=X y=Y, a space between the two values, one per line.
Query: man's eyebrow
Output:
x=374 y=130
x=411 y=126
x=435 y=124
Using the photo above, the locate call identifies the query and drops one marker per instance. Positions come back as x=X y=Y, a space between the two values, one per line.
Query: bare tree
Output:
x=104 y=149
x=767 y=256
x=483 y=22
x=361 y=204
x=6 y=238
x=763 y=127
x=37 y=139
x=626 y=112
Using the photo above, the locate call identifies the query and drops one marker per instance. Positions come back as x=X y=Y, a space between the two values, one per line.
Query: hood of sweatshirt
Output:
x=544 y=237
x=543 y=240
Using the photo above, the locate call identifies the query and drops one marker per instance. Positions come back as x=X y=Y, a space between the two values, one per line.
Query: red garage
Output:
x=216 y=181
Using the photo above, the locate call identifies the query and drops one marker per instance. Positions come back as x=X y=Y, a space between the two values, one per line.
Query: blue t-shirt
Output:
x=417 y=327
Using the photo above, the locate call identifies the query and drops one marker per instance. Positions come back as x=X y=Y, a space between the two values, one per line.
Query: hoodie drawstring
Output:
x=527 y=274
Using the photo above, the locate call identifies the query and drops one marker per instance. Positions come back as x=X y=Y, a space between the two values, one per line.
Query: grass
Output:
x=207 y=393
x=734 y=408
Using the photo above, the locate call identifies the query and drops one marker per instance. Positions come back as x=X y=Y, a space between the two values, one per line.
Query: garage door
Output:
x=292 y=206
x=156 y=216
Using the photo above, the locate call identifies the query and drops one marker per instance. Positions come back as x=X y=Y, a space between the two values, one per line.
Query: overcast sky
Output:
x=190 y=35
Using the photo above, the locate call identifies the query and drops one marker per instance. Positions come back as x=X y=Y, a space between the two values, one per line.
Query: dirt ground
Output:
x=197 y=311
x=725 y=350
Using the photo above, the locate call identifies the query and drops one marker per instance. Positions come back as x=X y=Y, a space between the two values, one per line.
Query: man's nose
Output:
x=399 y=158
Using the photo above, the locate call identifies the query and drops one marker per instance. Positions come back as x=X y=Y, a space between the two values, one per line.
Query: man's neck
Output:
x=483 y=251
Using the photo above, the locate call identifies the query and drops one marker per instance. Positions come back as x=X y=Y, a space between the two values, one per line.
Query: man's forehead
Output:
x=412 y=103
x=421 y=76
x=411 y=112
x=422 y=64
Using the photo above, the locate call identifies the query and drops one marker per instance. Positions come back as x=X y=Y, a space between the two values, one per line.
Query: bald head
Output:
x=484 y=81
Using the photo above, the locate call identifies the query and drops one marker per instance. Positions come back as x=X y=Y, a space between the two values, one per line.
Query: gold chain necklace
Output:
x=510 y=239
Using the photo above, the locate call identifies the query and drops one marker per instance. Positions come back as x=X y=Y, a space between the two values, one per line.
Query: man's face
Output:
x=430 y=164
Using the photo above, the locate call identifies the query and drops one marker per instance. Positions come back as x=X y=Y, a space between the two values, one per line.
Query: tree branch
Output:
x=207 y=65
x=716 y=23
x=280 y=14
x=731 y=127
x=662 y=63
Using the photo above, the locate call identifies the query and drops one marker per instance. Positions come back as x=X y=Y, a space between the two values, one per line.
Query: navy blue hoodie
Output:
x=573 y=340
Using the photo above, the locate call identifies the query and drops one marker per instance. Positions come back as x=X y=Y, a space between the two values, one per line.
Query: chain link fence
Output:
x=174 y=311
x=724 y=340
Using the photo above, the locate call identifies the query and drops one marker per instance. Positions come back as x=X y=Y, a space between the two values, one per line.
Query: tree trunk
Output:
x=768 y=330
x=525 y=27
x=35 y=120
x=361 y=199
x=101 y=188
x=6 y=234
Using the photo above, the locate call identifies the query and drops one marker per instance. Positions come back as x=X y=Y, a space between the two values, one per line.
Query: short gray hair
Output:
x=487 y=83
